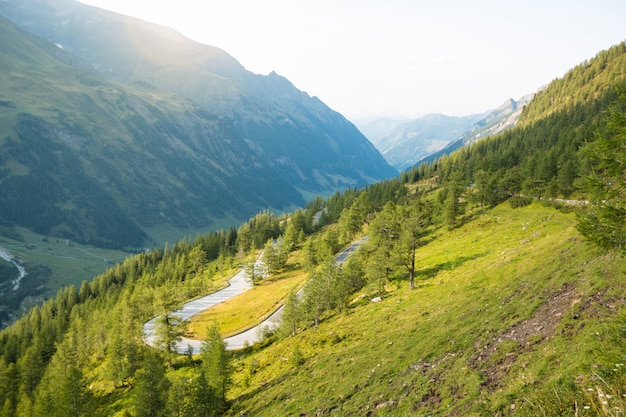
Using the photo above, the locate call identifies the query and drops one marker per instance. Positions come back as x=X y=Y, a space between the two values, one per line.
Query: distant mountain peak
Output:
x=405 y=142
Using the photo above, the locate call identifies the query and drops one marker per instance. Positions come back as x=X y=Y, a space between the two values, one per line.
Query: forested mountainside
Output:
x=149 y=156
x=540 y=157
x=460 y=303
x=584 y=84
x=93 y=161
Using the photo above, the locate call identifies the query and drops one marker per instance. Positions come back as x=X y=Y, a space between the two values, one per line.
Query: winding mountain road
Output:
x=236 y=285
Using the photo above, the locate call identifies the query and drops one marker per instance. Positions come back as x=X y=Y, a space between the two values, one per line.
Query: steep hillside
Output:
x=512 y=314
x=116 y=133
x=582 y=85
x=90 y=160
x=312 y=147
x=540 y=157
x=86 y=162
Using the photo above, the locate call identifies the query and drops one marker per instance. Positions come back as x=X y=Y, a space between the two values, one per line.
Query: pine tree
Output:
x=216 y=363
x=482 y=186
x=315 y=297
x=384 y=230
x=604 y=223
x=62 y=392
x=9 y=380
x=202 y=399
x=291 y=316
x=452 y=204
x=31 y=368
x=150 y=392
x=177 y=395
x=413 y=230
x=8 y=409
x=377 y=268
x=274 y=257
x=170 y=330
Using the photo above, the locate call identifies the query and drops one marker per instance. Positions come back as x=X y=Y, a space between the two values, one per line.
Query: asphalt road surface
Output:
x=237 y=285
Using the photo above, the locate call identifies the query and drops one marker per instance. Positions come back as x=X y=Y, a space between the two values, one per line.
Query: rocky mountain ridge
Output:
x=496 y=121
x=405 y=143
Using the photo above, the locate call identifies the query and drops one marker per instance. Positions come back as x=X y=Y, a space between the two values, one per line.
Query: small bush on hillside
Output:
x=518 y=201
x=297 y=358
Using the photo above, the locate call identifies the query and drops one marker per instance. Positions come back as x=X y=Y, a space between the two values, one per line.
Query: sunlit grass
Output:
x=465 y=341
x=253 y=306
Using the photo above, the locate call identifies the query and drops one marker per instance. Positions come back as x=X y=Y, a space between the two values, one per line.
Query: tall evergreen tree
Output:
x=414 y=229
x=452 y=203
x=62 y=391
x=150 y=391
x=292 y=315
x=202 y=399
x=315 y=297
x=384 y=230
x=604 y=223
x=170 y=330
x=216 y=363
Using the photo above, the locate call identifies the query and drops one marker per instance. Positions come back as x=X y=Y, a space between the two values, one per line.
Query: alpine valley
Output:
x=120 y=134
x=488 y=282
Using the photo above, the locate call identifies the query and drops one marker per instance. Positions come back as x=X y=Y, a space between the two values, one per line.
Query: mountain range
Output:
x=404 y=143
x=407 y=142
x=113 y=128
x=502 y=118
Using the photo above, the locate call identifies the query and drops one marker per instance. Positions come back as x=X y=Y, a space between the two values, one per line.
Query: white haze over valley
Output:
x=398 y=57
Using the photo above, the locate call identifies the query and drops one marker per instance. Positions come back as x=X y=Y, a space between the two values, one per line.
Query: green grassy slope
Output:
x=513 y=314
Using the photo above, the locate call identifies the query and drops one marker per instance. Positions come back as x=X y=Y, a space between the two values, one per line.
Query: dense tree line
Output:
x=584 y=83
x=541 y=157
x=604 y=222
x=91 y=336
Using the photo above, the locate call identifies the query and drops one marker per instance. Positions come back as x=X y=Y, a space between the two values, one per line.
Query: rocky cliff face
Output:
x=502 y=118
x=404 y=143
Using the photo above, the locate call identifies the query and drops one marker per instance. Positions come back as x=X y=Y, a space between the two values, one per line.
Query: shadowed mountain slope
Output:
x=121 y=124
x=315 y=148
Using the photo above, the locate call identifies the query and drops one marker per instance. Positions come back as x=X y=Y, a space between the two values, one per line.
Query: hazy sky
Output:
x=398 y=57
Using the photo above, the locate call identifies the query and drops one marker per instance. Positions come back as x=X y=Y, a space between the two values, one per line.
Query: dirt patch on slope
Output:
x=495 y=357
